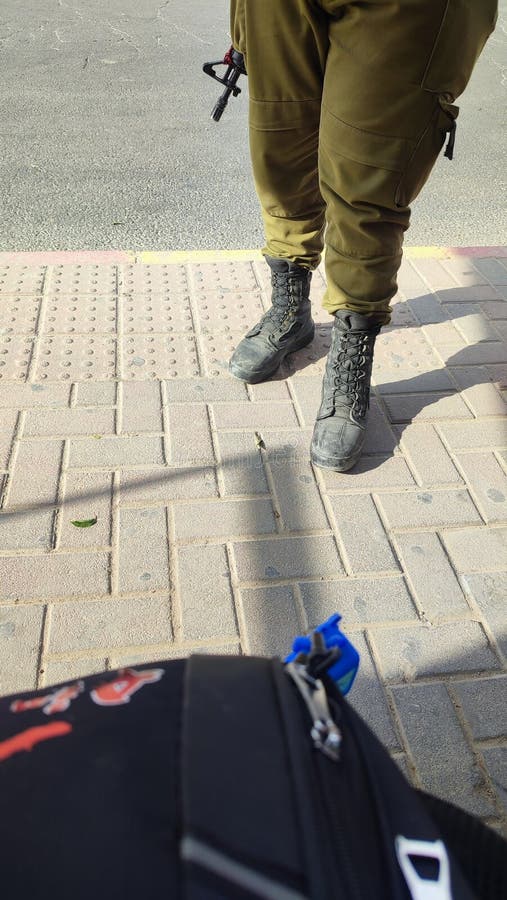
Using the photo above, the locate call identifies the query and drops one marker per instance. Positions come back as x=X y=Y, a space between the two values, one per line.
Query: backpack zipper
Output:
x=325 y=733
x=327 y=739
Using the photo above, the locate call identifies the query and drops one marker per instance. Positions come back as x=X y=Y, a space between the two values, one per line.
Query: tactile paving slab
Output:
x=151 y=314
x=229 y=276
x=164 y=280
x=77 y=358
x=83 y=279
x=158 y=356
x=15 y=356
x=401 y=314
x=22 y=279
x=217 y=350
x=231 y=311
x=404 y=353
x=19 y=315
x=312 y=359
x=80 y=314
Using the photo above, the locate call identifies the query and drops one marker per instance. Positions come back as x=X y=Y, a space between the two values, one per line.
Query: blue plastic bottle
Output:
x=344 y=670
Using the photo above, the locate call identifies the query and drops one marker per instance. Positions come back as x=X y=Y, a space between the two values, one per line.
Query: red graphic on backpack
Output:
x=56 y=702
x=27 y=740
x=119 y=691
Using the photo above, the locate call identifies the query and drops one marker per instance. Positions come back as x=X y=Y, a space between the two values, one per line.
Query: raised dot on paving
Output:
x=234 y=311
x=21 y=279
x=158 y=356
x=80 y=315
x=83 y=279
x=161 y=280
x=18 y=315
x=156 y=314
x=78 y=358
x=15 y=356
x=229 y=276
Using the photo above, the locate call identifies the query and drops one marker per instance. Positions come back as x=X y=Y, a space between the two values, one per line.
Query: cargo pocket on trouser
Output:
x=442 y=126
x=465 y=28
x=359 y=175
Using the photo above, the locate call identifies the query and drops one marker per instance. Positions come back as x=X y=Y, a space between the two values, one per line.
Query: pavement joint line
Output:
x=502 y=460
x=118 y=418
x=239 y=610
x=295 y=402
x=13 y=455
x=163 y=647
x=166 y=441
x=483 y=621
x=88 y=598
x=471 y=490
x=57 y=523
x=174 y=583
x=199 y=346
x=388 y=696
x=114 y=558
x=45 y=628
x=215 y=445
x=493 y=742
x=39 y=329
x=300 y=608
x=474 y=749
x=444 y=678
x=73 y=398
x=275 y=502
x=330 y=516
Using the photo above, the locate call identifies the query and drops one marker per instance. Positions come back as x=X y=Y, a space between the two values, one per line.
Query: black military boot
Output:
x=286 y=327
x=339 y=431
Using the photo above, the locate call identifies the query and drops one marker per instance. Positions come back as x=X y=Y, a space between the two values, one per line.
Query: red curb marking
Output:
x=27 y=740
x=478 y=251
x=64 y=257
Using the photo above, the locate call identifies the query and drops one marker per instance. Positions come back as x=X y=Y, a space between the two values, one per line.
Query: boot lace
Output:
x=350 y=371
x=286 y=298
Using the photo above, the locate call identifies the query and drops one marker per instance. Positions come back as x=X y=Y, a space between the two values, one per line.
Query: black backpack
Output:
x=221 y=777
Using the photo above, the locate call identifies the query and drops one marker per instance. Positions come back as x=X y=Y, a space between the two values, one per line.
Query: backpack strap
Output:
x=480 y=851
x=239 y=831
x=266 y=815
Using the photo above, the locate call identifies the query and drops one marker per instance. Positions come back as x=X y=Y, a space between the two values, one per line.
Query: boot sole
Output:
x=335 y=465
x=258 y=377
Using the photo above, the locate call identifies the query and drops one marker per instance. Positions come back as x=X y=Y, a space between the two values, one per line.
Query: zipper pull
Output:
x=438 y=888
x=325 y=734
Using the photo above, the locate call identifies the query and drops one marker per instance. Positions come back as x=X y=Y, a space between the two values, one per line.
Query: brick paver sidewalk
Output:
x=212 y=530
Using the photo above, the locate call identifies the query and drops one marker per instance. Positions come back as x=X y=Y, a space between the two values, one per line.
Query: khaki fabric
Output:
x=350 y=106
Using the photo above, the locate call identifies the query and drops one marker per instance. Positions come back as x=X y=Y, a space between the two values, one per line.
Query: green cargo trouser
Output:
x=350 y=105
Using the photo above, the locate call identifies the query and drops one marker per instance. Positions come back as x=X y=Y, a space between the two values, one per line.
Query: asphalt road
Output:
x=106 y=139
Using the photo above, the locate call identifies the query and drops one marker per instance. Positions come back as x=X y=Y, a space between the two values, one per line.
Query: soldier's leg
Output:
x=392 y=74
x=285 y=47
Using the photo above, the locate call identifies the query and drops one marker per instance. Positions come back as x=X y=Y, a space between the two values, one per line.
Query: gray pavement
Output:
x=212 y=532
x=106 y=140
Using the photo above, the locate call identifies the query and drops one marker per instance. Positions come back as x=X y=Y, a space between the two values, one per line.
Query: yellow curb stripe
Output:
x=180 y=257
x=428 y=252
